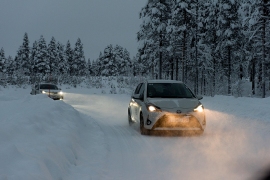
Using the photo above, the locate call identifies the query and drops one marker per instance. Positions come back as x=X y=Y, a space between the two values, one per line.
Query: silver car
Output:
x=49 y=89
x=166 y=105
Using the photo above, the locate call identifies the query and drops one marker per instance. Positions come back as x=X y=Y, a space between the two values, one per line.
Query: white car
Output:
x=166 y=105
x=49 y=89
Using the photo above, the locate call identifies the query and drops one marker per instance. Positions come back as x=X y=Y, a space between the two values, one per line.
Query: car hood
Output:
x=174 y=103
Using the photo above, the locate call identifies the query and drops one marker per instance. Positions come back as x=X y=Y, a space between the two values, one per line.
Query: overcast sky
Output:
x=97 y=23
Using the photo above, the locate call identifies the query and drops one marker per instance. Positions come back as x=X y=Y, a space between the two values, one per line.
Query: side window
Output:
x=137 y=89
x=142 y=89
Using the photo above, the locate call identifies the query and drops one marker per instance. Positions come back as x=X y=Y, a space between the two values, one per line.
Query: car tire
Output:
x=142 y=128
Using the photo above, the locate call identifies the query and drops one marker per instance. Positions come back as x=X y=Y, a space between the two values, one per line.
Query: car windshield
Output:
x=48 y=86
x=168 y=90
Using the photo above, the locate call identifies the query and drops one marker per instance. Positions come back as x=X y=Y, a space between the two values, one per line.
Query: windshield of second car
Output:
x=48 y=86
x=168 y=90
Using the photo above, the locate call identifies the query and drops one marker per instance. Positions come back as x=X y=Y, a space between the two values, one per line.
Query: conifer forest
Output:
x=214 y=46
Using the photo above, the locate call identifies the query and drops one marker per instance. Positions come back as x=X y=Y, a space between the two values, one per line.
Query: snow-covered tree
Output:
x=113 y=62
x=88 y=67
x=62 y=68
x=152 y=35
x=228 y=34
x=95 y=66
x=2 y=61
x=41 y=59
x=10 y=66
x=108 y=66
x=33 y=67
x=79 y=63
x=69 y=58
x=52 y=59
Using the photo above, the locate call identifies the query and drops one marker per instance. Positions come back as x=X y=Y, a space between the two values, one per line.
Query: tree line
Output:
x=59 y=63
x=212 y=45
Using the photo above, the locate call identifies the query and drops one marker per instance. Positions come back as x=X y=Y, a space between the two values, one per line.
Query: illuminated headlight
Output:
x=43 y=92
x=60 y=92
x=153 y=108
x=199 y=109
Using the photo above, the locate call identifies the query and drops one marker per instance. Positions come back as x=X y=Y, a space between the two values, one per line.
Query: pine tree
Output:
x=152 y=34
x=256 y=21
x=3 y=67
x=41 y=59
x=33 y=66
x=179 y=30
x=107 y=62
x=26 y=55
x=2 y=62
x=146 y=54
x=10 y=68
x=79 y=64
x=126 y=64
x=69 y=59
x=88 y=67
x=229 y=31
x=62 y=68
x=265 y=9
x=95 y=67
x=23 y=57
x=52 y=60
x=211 y=39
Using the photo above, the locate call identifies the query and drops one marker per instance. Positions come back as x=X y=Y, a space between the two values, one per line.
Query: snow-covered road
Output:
x=87 y=136
x=234 y=146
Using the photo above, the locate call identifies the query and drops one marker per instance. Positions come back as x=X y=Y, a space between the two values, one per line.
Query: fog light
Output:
x=148 y=122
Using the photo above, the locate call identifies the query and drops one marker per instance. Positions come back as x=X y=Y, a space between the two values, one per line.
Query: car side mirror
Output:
x=199 y=97
x=138 y=96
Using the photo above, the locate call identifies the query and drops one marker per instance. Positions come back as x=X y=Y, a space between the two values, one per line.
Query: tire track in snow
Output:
x=123 y=143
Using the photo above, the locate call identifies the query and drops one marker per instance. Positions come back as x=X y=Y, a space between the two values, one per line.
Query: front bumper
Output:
x=54 y=95
x=172 y=121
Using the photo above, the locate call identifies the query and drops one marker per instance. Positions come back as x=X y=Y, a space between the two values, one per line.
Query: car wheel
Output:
x=129 y=118
x=142 y=129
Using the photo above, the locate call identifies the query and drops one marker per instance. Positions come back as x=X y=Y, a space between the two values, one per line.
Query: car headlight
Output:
x=199 y=108
x=153 y=108
x=43 y=92
x=61 y=93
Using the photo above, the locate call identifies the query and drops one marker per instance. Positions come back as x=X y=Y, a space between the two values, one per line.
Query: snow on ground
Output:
x=87 y=136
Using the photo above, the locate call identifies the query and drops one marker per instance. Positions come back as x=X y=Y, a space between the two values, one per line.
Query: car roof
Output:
x=163 y=81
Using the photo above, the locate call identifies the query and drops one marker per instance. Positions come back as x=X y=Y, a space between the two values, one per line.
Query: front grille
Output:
x=51 y=92
x=166 y=122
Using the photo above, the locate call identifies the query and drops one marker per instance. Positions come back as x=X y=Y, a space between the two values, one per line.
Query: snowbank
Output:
x=39 y=137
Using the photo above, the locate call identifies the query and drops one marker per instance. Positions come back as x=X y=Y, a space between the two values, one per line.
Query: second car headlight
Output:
x=60 y=92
